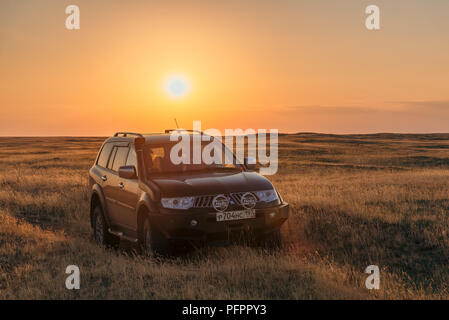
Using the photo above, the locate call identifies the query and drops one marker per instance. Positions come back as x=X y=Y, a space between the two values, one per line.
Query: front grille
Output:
x=206 y=201
x=203 y=202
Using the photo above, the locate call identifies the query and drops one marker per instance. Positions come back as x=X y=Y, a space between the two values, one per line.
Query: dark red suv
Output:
x=139 y=194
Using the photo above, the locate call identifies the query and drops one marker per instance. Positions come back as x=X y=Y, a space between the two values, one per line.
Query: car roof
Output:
x=150 y=138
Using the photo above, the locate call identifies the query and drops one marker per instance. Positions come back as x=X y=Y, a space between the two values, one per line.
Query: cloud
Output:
x=394 y=116
x=320 y=109
x=436 y=105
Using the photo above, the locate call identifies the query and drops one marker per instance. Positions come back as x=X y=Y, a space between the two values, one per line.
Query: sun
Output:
x=177 y=86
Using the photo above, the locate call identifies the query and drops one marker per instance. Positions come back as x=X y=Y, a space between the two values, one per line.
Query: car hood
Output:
x=211 y=183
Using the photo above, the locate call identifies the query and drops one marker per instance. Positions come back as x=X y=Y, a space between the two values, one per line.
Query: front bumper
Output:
x=178 y=226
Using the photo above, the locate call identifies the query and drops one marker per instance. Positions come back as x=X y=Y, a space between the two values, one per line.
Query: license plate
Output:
x=236 y=215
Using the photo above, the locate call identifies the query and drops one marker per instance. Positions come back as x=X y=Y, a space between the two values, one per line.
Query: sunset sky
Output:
x=290 y=65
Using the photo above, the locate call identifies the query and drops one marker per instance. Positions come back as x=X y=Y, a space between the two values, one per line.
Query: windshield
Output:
x=167 y=158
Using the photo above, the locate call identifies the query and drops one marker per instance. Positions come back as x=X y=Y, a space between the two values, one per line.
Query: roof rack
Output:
x=125 y=134
x=184 y=130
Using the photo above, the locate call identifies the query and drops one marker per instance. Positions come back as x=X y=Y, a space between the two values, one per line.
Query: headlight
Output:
x=182 y=203
x=267 y=195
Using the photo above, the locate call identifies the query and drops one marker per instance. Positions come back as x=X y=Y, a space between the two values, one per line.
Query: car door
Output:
x=110 y=181
x=119 y=154
x=128 y=192
x=110 y=185
x=104 y=163
x=124 y=193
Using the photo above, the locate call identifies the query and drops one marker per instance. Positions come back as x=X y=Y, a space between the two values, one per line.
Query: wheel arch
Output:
x=144 y=209
x=97 y=198
x=142 y=213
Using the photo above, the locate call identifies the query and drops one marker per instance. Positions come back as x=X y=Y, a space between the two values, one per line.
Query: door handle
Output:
x=104 y=178
x=121 y=185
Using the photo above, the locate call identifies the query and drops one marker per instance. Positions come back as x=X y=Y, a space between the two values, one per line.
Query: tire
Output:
x=101 y=233
x=154 y=243
x=272 y=240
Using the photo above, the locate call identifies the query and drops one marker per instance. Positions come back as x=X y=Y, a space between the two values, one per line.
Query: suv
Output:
x=138 y=194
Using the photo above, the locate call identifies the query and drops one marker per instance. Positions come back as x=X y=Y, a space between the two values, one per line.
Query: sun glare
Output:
x=177 y=86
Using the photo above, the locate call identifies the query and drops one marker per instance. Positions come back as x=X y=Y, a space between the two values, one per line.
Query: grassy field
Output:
x=356 y=200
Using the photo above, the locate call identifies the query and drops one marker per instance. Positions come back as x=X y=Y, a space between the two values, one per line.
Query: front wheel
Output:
x=154 y=243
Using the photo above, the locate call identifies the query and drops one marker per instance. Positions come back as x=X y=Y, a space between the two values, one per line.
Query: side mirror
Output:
x=250 y=163
x=127 y=172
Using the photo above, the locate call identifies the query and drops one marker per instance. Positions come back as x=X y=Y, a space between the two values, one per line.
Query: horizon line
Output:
x=280 y=133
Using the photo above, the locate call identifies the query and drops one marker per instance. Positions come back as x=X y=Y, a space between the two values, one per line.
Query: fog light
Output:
x=272 y=214
x=193 y=223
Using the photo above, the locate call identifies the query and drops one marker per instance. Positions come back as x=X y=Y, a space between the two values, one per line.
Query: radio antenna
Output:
x=176 y=122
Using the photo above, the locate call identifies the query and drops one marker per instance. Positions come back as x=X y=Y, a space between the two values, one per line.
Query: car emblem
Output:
x=220 y=203
x=248 y=200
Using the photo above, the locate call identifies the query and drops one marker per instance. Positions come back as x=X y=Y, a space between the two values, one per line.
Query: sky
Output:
x=291 y=65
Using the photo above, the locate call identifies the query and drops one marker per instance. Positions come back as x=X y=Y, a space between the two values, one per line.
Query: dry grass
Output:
x=356 y=201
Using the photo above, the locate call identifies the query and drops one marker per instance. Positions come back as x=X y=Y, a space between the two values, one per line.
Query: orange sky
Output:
x=290 y=65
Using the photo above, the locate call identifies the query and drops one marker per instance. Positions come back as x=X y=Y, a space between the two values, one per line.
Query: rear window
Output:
x=120 y=158
x=104 y=155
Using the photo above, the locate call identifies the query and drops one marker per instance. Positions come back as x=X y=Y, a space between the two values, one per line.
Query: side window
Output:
x=104 y=155
x=132 y=159
x=111 y=158
x=120 y=158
